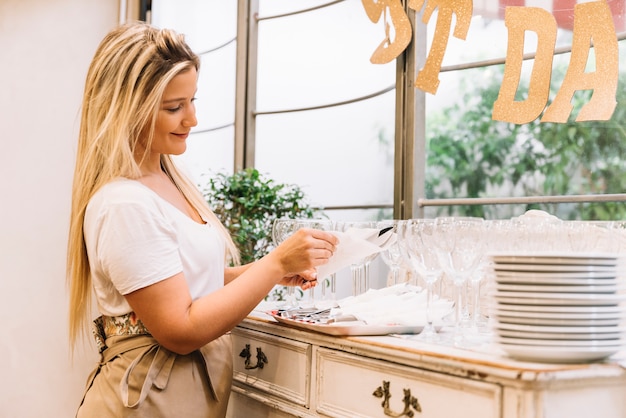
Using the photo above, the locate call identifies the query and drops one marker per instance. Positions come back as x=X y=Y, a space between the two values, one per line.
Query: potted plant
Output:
x=247 y=203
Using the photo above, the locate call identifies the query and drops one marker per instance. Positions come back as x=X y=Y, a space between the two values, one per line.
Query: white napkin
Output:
x=355 y=244
x=400 y=304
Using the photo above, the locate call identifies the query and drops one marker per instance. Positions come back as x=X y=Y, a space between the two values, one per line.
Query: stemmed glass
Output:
x=323 y=225
x=282 y=229
x=332 y=279
x=392 y=254
x=360 y=269
x=459 y=250
x=419 y=237
x=498 y=236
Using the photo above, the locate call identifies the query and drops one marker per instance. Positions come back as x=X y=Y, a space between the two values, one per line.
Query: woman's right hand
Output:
x=305 y=250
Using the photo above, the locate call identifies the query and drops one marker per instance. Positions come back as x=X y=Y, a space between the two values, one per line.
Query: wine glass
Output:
x=359 y=269
x=323 y=225
x=459 y=250
x=392 y=254
x=282 y=229
x=329 y=225
x=419 y=236
x=499 y=236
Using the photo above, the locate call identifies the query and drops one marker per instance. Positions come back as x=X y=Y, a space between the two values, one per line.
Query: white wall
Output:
x=45 y=48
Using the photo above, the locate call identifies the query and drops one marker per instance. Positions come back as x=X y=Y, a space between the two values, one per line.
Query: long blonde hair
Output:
x=130 y=70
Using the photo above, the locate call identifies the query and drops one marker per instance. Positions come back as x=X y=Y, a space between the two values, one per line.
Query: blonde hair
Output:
x=124 y=87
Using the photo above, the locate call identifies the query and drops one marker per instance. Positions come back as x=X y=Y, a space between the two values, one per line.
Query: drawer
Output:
x=274 y=365
x=352 y=386
x=246 y=405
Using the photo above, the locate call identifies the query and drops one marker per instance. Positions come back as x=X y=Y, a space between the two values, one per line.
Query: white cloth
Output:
x=355 y=245
x=135 y=238
x=400 y=304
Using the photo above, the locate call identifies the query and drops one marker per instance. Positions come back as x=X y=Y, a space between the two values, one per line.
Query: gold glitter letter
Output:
x=592 y=22
x=518 y=20
x=428 y=77
x=388 y=50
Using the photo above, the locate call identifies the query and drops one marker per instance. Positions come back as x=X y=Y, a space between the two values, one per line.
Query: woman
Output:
x=145 y=243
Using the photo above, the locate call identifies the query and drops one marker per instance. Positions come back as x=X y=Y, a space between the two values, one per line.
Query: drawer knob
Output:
x=261 y=358
x=408 y=400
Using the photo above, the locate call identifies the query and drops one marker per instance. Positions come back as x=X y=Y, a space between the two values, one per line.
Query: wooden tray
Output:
x=345 y=328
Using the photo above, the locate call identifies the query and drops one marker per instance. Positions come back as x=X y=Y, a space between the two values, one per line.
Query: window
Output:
x=470 y=155
x=210 y=28
x=341 y=153
x=318 y=114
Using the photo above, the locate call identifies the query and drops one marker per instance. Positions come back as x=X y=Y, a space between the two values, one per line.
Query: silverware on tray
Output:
x=314 y=315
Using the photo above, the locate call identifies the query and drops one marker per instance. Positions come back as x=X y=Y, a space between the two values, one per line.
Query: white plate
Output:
x=564 y=259
x=505 y=287
x=551 y=268
x=560 y=330
x=558 y=354
x=553 y=281
x=611 y=309
x=561 y=295
x=585 y=314
x=558 y=299
x=557 y=322
x=555 y=336
x=529 y=275
x=556 y=343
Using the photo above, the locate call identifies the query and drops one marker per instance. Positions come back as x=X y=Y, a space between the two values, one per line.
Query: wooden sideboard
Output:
x=281 y=371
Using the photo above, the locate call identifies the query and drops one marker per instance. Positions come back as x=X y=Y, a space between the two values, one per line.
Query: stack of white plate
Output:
x=563 y=308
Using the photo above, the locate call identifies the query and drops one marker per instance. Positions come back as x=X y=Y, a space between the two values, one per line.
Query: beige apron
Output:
x=137 y=377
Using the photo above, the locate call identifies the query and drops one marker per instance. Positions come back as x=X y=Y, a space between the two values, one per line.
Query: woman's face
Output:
x=177 y=114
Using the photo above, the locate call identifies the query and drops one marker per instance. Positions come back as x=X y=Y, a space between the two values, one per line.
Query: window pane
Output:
x=340 y=155
x=471 y=155
x=205 y=24
x=209 y=153
x=210 y=29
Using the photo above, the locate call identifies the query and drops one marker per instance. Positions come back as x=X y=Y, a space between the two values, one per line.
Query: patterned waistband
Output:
x=110 y=326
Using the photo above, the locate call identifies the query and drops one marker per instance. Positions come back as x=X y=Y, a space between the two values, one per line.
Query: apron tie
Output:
x=158 y=372
x=154 y=360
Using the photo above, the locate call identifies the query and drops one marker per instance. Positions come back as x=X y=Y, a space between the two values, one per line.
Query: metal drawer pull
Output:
x=409 y=401
x=261 y=358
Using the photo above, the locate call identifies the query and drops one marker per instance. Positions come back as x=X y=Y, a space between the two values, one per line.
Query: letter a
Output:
x=593 y=24
x=518 y=20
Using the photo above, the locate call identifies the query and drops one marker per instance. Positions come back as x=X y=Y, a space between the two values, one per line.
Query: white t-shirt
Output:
x=135 y=238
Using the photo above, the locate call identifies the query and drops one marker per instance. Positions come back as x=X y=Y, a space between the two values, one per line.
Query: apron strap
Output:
x=158 y=372
x=153 y=359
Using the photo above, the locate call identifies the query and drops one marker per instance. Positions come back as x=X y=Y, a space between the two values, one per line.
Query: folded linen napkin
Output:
x=355 y=244
x=401 y=304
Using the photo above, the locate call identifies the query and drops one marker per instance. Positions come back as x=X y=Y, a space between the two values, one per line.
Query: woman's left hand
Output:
x=306 y=279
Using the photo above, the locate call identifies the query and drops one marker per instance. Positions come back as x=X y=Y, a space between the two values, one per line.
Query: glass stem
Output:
x=429 y=297
x=366 y=277
x=476 y=307
x=395 y=275
x=459 y=309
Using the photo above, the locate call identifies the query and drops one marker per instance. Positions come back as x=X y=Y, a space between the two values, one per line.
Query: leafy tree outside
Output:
x=471 y=155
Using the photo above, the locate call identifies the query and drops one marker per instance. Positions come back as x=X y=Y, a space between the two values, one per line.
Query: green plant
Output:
x=471 y=155
x=247 y=203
